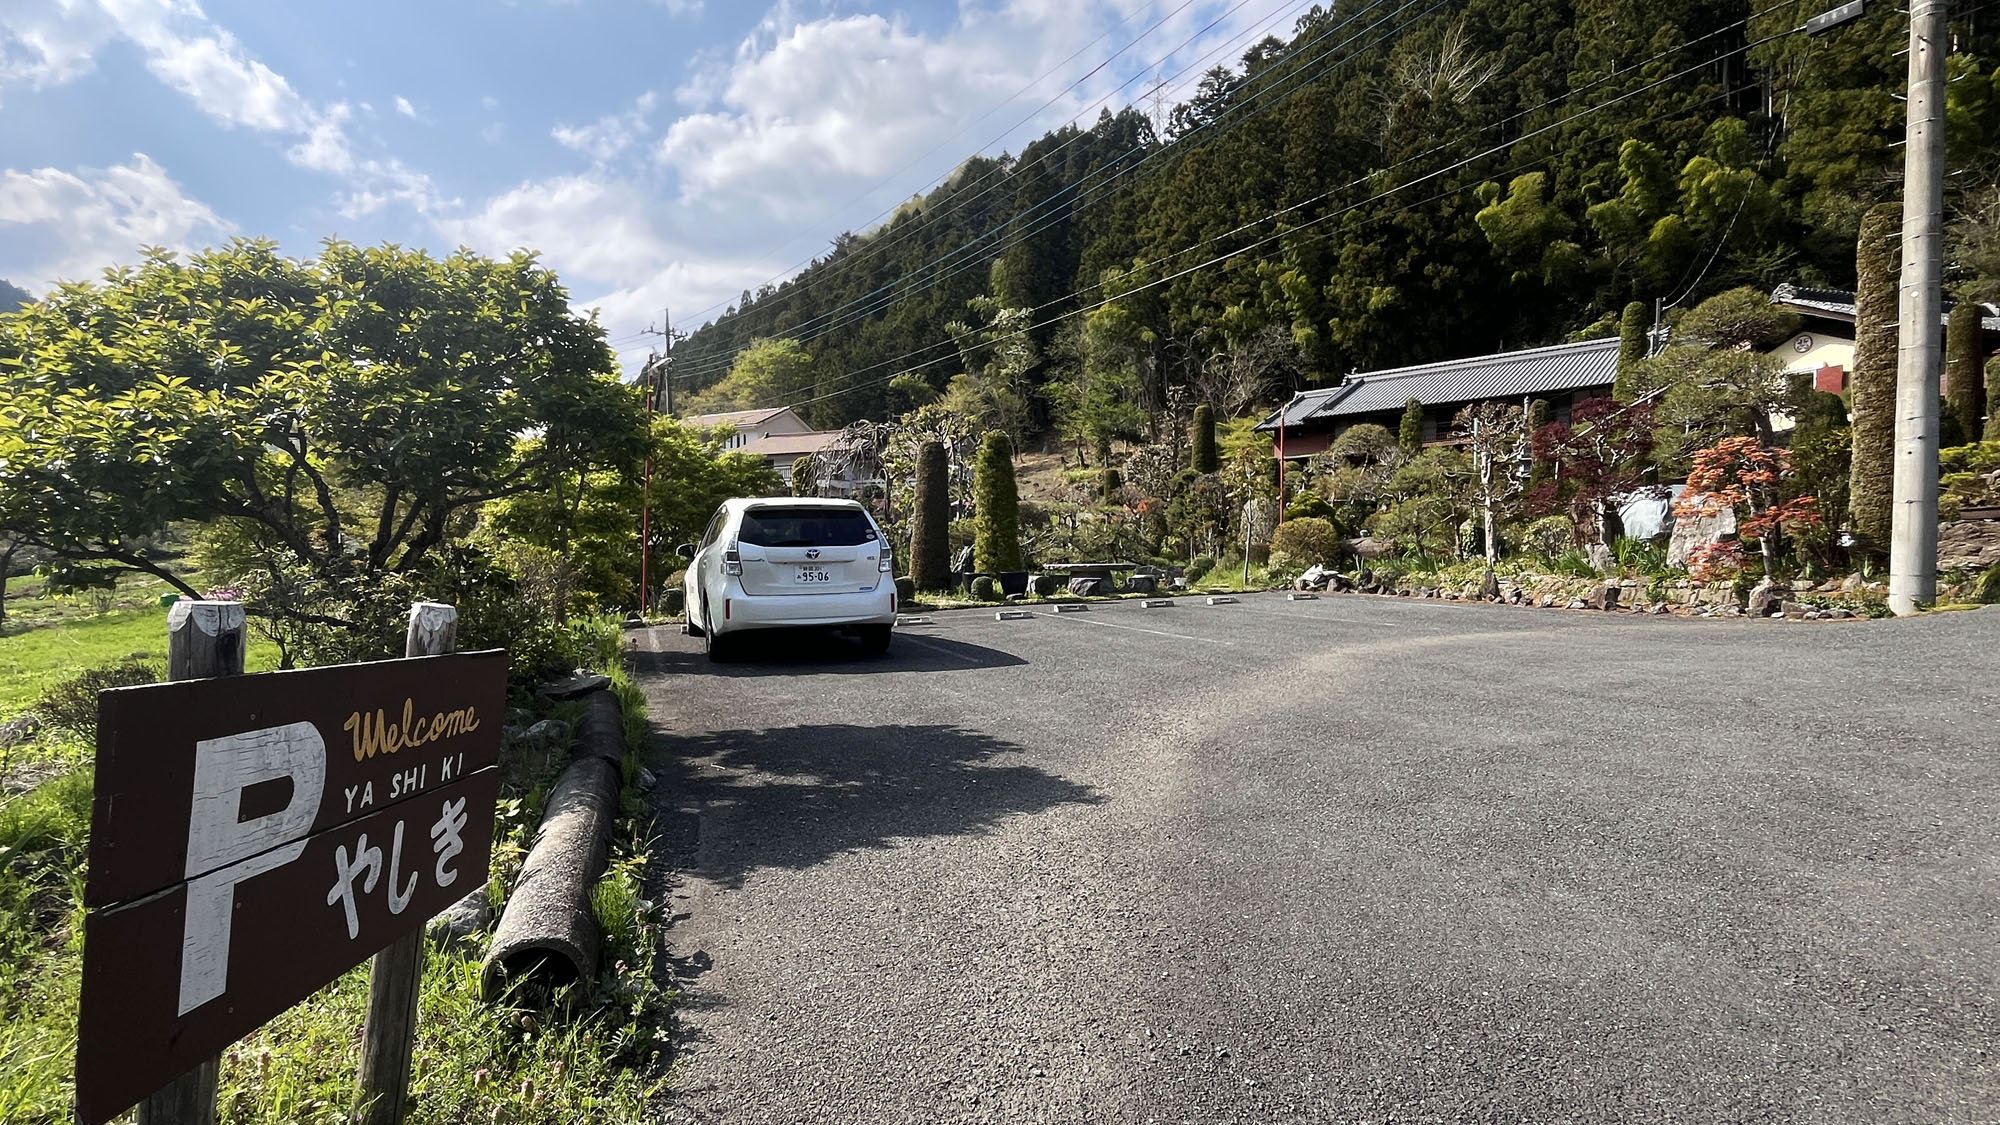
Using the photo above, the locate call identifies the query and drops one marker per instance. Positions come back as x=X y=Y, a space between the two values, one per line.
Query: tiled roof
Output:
x=1839 y=304
x=1531 y=371
x=737 y=418
x=789 y=445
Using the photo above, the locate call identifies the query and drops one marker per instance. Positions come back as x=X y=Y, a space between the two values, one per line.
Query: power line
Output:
x=994 y=178
x=884 y=182
x=1109 y=170
x=1101 y=189
x=1288 y=233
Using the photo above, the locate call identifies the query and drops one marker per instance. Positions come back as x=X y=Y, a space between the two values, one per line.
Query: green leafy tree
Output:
x=768 y=373
x=1873 y=383
x=1203 y=456
x=997 y=531
x=1410 y=432
x=694 y=471
x=930 y=523
x=1964 y=358
x=349 y=413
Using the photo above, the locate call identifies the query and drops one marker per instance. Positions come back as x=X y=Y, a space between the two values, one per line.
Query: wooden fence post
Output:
x=204 y=639
x=395 y=975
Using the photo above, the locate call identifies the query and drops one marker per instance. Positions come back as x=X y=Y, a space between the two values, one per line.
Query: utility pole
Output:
x=657 y=375
x=1913 y=526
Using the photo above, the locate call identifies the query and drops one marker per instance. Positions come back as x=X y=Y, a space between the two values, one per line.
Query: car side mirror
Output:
x=685 y=550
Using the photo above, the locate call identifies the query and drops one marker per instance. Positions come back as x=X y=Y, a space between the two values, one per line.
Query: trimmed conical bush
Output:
x=930 y=522
x=1873 y=385
x=996 y=539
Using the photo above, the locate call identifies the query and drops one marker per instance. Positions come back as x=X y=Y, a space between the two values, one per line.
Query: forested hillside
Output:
x=1399 y=181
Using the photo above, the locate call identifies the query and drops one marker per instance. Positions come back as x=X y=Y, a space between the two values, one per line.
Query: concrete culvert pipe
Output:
x=548 y=932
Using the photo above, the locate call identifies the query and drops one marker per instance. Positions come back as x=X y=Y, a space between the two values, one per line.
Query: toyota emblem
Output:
x=813 y=554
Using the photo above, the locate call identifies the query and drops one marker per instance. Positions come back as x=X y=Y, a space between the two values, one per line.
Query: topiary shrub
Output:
x=1964 y=374
x=985 y=589
x=1632 y=349
x=997 y=536
x=1549 y=536
x=930 y=523
x=1301 y=543
x=1202 y=457
x=1410 y=432
x=1046 y=585
x=1109 y=483
x=71 y=706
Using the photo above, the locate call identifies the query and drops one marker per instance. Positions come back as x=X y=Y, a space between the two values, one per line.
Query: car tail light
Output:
x=732 y=561
x=888 y=561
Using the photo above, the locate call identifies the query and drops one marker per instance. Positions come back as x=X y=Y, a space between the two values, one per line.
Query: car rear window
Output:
x=806 y=527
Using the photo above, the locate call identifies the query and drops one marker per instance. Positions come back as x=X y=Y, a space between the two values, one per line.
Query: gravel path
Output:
x=1351 y=859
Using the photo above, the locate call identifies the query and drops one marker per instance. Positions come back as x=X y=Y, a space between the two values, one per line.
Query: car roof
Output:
x=744 y=502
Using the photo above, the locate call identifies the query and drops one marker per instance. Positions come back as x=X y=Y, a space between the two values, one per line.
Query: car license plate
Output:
x=813 y=575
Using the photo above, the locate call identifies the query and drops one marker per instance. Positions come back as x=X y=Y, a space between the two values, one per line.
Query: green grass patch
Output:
x=36 y=658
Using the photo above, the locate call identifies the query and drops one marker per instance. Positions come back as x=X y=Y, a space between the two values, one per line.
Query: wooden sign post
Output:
x=396 y=975
x=204 y=639
x=253 y=837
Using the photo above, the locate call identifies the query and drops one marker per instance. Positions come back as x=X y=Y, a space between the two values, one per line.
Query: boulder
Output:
x=1968 y=544
x=1601 y=559
x=1695 y=531
x=1603 y=596
x=1489 y=586
x=1794 y=610
x=1647 y=513
x=1659 y=608
x=20 y=728
x=1763 y=599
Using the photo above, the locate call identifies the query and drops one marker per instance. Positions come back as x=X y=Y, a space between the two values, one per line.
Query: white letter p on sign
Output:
x=224 y=850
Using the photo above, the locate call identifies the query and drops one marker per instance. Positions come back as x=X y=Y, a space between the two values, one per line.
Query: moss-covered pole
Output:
x=1873 y=385
x=996 y=540
x=1632 y=348
x=1964 y=363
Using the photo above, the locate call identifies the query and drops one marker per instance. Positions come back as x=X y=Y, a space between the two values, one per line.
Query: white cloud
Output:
x=48 y=44
x=490 y=102
x=325 y=148
x=609 y=135
x=404 y=107
x=189 y=53
x=96 y=217
x=681 y=7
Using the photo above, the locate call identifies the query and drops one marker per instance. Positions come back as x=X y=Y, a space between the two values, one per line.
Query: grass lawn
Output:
x=37 y=658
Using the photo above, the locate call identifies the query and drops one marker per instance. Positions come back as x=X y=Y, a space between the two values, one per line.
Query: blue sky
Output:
x=656 y=152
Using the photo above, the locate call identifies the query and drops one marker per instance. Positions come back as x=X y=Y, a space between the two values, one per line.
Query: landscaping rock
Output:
x=1577 y=603
x=1600 y=557
x=1763 y=599
x=1659 y=608
x=1086 y=587
x=1968 y=544
x=1603 y=596
x=1840 y=613
x=1793 y=609
x=454 y=929
x=1489 y=586
x=1692 y=532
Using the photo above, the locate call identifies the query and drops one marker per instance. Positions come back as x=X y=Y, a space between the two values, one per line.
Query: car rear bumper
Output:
x=793 y=611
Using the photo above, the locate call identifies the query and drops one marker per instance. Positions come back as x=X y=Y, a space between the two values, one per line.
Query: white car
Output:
x=790 y=563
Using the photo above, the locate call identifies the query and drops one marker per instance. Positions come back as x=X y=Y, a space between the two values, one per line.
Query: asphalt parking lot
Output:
x=1351 y=859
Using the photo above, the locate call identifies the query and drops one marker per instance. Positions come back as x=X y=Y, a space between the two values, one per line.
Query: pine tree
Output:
x=1410 y=435
x=1632 y=349
x=996 y=540
x=1204 y=458
x=1964 y=381
x=1870 y=501
x=930 y=523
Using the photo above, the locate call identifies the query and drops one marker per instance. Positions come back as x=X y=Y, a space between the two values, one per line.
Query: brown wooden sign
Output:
x=253 y=837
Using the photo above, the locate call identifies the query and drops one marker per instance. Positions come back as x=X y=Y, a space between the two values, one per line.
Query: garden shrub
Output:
x=985 y=589
x=1301 y=543
x=1200 y=567
x=1549 y=536
x=71 y=706
x=1310 y=505
x=1046 y=585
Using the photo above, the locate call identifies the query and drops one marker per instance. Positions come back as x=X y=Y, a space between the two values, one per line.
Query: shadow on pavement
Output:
x=783 y=653
x=796 y=796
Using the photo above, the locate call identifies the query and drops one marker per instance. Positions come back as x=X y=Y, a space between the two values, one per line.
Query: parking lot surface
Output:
x=1351 y=859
